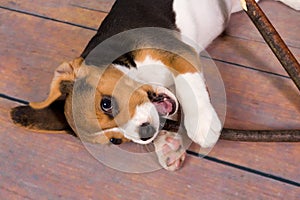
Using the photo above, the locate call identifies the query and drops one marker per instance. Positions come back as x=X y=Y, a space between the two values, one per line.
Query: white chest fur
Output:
x=201 y=21
x=149 y=71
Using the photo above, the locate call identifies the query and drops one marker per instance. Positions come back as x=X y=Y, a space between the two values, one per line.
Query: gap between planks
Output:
x=246 y=67
x=243 y=168
x=48 y=18
x=209 y=158
x=94 y=29
x=89 y=28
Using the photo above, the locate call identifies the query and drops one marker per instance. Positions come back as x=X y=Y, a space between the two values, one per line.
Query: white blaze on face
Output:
x=145 y=113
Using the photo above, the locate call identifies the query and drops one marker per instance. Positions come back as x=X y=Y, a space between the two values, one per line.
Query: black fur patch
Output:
x=51 y=118
x=126 y=60
x=127 y=15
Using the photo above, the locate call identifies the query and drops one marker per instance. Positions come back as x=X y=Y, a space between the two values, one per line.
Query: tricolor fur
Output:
x=126 y=103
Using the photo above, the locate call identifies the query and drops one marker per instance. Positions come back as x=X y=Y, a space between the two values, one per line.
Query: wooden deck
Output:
x=36 y=36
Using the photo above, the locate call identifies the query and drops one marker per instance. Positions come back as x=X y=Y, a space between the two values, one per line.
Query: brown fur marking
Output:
x=176 y=63
x=64 y=72
x=114 y=83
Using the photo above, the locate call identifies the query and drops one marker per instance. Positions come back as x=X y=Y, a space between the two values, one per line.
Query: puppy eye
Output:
x=106 y=104
x=109 y=106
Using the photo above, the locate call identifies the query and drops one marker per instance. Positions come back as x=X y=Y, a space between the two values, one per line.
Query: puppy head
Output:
x=122 y=105
x=107 y=106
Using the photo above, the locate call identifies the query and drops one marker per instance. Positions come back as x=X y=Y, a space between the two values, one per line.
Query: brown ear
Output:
x=49 y=120
x=66 y=72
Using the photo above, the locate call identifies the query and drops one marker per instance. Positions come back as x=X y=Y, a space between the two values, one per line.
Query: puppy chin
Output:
x=139 y=141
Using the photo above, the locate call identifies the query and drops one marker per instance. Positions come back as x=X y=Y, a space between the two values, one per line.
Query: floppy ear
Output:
x=66 y=72
x=48 y=116
x=49 y=119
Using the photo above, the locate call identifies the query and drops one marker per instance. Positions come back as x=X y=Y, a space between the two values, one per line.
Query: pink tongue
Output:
x=164 y=107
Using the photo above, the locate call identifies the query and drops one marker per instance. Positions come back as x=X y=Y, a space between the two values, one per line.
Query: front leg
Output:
x=200 y=119
x=169 y=150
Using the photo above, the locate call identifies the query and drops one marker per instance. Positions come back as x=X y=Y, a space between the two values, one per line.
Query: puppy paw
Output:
x=204 y=128
x=169 y=150
x=200 y=119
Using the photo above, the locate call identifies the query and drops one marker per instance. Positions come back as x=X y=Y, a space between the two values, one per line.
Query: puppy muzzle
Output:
x=146 y=131
x=144 y=126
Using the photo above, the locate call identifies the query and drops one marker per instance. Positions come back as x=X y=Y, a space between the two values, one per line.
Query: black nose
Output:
x=146 y=131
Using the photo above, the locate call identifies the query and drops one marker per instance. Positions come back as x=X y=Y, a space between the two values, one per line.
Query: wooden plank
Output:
x=266 y=102
x=87 y=14
x=256 y=55
x=257 y=100
x=32 y=48
x=285 y=20
x=100 y=5
x=57 y=50
x=45 y=166
x=243 y=45
x=237 y=49
x=250 y=101
x=72 y=11
x=280 y=159
x=262 y=156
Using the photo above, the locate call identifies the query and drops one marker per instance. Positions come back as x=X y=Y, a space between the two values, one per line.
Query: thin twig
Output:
x=273 y=39
x=287 y=60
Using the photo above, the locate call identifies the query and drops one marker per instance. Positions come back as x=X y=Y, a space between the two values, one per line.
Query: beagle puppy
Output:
x=119 y=88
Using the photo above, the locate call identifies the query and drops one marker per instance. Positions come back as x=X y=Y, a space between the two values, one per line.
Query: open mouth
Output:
x=163 y=103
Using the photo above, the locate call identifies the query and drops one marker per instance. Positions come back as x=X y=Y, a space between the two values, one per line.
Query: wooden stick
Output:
x=273 y=39
x=287 y=60
x=261 y=135
x=244 y=135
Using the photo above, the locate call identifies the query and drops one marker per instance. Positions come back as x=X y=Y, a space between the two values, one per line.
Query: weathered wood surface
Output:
x=254 y=55
x=35 y=47
x=87 y=14
x=280 y=159
x=257 y=100
x=285 y=20
x=267 y=102
x=45 y=166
